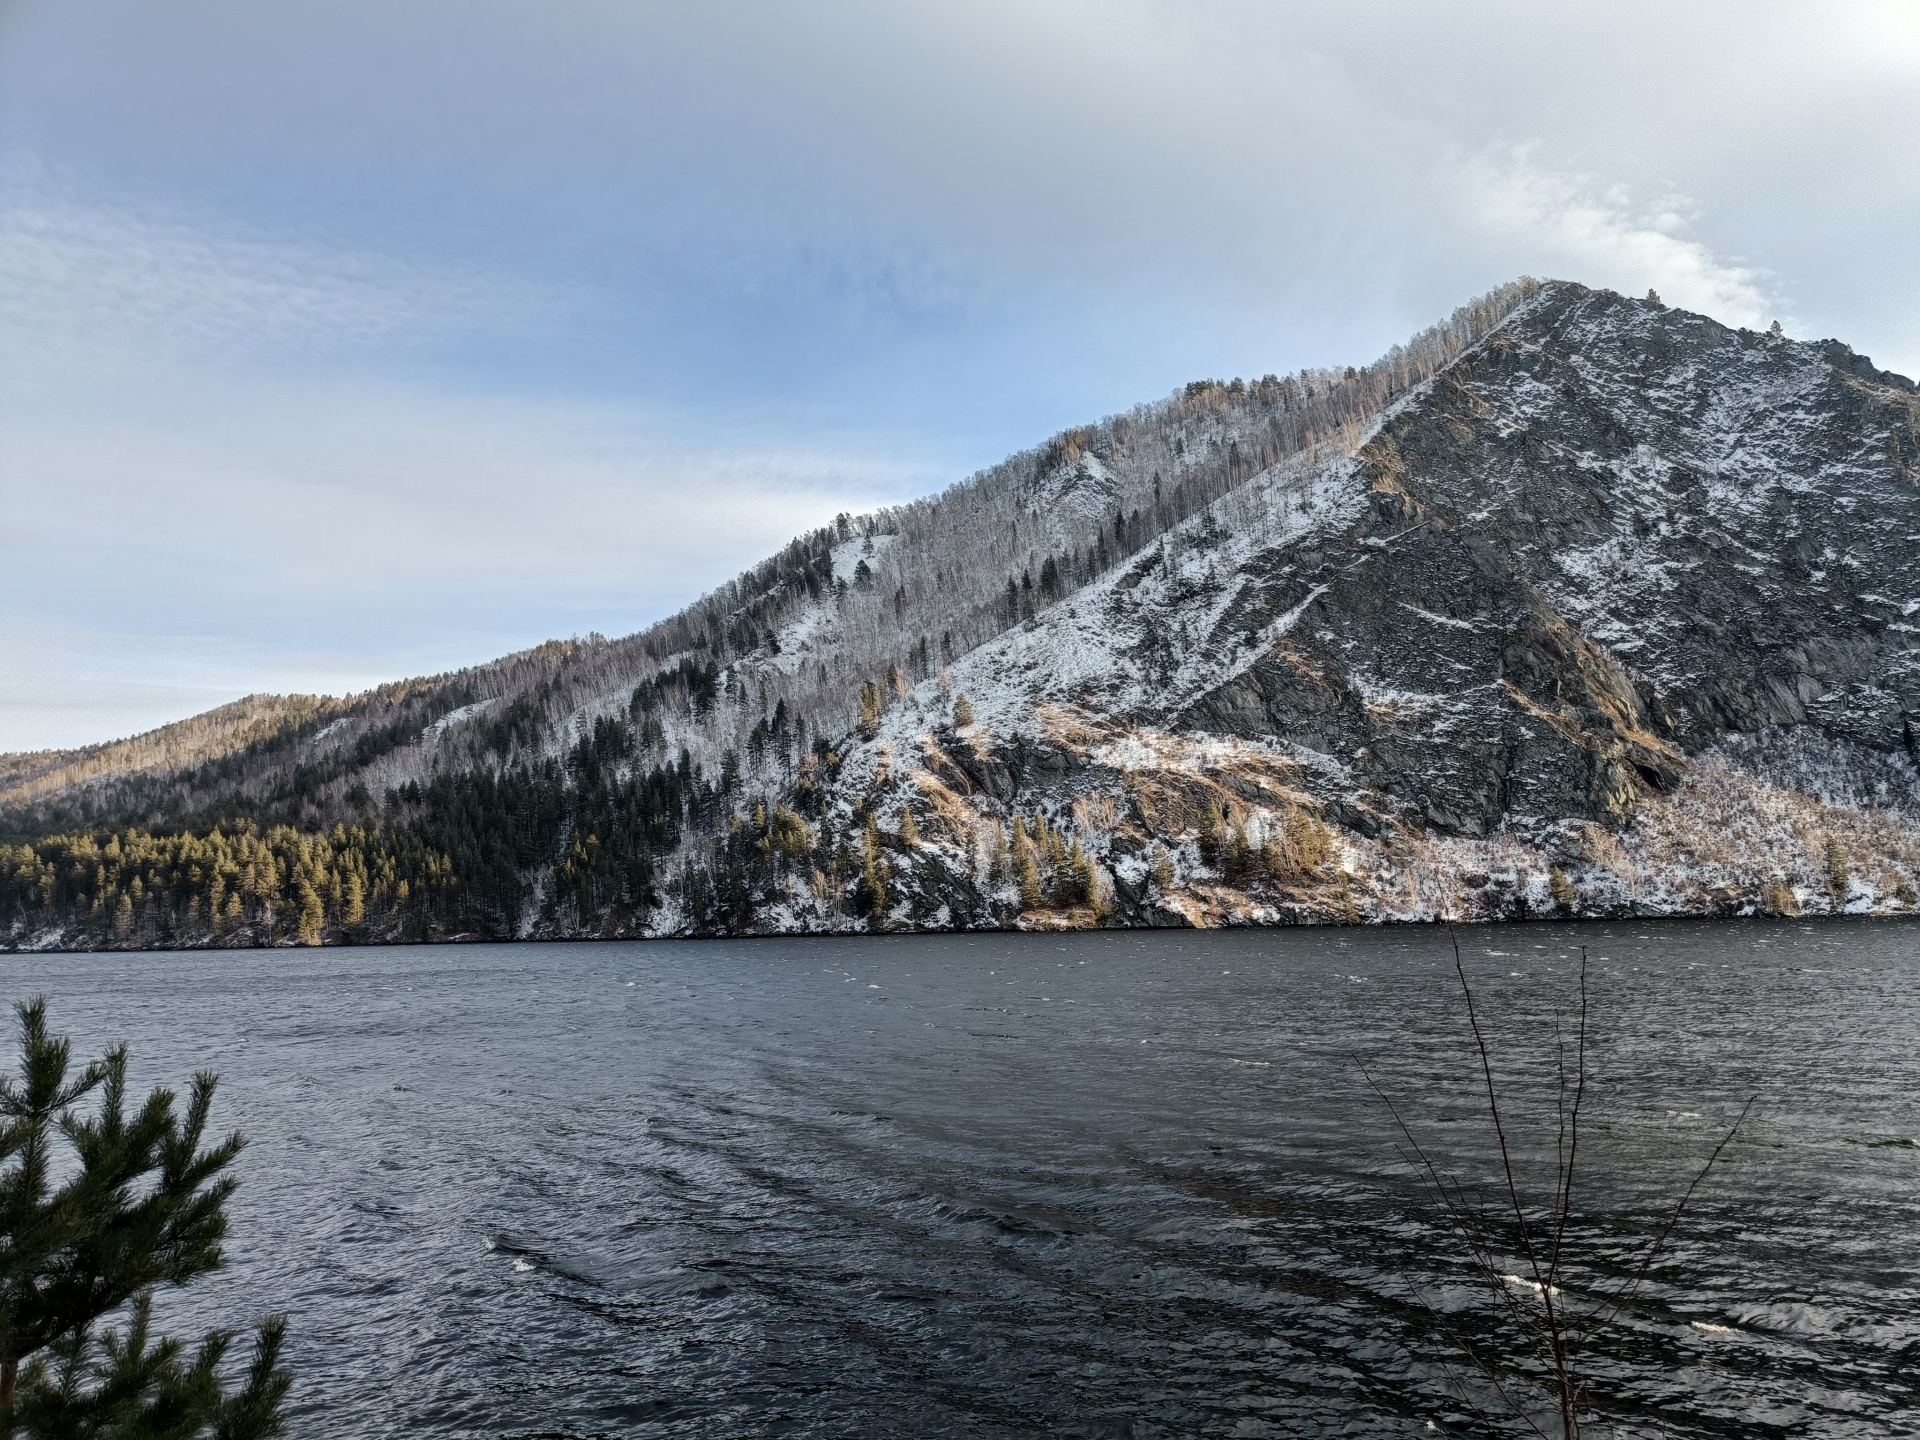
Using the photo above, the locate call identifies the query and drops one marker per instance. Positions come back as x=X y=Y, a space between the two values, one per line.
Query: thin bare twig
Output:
x=1555 y=1331
x=1557 y=1324
x=1563 y=1198
x=1459 y=1211
x=1620 y=1300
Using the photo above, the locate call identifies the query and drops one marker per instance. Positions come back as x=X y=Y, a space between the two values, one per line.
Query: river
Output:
x=1107 y=1184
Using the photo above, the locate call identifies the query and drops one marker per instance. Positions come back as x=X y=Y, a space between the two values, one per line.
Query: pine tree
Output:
x=1561 y=888
x=1026 y=869
x=1160 y=867
x=1073 y=882
x=870 y=893
x=1209 y=838
x=312 y=915
x=138 y=1204
x=1839 y=873
x=872 y=702
x=1236 y=860
x=1308 y=837
x=962 y=712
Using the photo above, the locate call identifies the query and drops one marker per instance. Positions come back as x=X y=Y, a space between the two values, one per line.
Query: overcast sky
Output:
x=342 y=340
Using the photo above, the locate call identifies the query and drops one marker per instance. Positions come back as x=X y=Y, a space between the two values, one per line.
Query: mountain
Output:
x=1573 y=605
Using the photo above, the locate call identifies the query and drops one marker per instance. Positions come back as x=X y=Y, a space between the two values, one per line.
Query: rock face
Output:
x=1615 y=612
x=1608 y=538
x=1603 y=544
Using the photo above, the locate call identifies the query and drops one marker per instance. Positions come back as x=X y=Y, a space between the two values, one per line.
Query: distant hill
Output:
x=1573 y=605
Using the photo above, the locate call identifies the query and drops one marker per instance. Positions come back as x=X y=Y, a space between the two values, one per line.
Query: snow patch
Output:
x=452 y=718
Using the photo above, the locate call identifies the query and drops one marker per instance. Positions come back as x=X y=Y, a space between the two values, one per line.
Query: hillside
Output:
x=1573 y=605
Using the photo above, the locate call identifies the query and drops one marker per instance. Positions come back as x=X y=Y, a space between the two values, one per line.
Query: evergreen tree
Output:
x=870 y=892
x=138 y=1204
x=1839 y=873
x=1073 y=878
x=1026 y=867
x=1561 y=889
x=872 y=702
x=1236 y=858
x=1160 y=867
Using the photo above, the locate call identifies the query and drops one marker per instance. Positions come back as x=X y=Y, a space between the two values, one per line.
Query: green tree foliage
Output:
x=135 y=1204
x=1047 y=865
x=1309 y=840
x=962 y=712
x=871 y=893
x=1839 y=874
x=1210 y=836
x=1073 y=879
x=692 y=686
x=1237 y=857
x=1160 y=867
x=232 y=885
x=873 y=701
x=460 y=853
x=1025 y=862
x=736 y=875
x=1561 y=889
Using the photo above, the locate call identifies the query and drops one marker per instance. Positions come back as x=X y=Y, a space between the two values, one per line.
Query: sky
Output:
x=346 y=340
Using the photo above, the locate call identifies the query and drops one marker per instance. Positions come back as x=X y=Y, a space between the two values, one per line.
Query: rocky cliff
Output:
x=1611 y=615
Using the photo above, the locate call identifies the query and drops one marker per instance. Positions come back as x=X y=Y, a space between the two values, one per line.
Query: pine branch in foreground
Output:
x=138 y=1202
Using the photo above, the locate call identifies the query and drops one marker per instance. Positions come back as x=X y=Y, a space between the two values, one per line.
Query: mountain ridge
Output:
x=1523 y=585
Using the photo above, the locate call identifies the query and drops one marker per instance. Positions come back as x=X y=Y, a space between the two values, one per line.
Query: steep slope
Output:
x=1594 y=551
x=1575 y=604
x=911 y=587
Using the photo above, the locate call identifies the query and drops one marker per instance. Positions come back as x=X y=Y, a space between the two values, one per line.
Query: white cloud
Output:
x=1582 y=228
x=98 y=287
x=320 y=537
x=63 y=686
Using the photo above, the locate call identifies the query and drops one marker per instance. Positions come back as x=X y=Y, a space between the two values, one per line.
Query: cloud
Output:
x=64 y=686
x=308 y=536
x=93 y=286
x=1584 y=229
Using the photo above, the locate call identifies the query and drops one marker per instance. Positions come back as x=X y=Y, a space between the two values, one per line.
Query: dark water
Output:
x=1101 y=1185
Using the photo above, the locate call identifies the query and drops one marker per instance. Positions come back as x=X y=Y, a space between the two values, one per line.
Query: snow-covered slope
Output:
x=1611 y=616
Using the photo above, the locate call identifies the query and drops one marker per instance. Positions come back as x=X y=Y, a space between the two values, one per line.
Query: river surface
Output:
x=1119 y=1184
